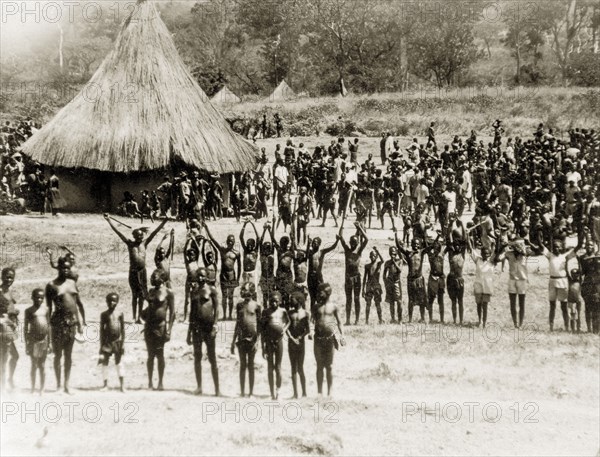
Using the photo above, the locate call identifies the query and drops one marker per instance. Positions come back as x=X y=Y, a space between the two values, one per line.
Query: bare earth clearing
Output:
x=401 y=389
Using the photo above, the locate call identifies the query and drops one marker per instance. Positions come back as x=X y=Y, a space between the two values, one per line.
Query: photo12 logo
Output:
x=69 y=411
x=453 y=412
x=253 y=412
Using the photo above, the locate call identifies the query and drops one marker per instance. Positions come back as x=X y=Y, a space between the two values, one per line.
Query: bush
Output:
x=343 y=128
x=585 y=69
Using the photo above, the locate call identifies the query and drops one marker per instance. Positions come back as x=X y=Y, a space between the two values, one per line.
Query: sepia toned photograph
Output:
x=300 y=228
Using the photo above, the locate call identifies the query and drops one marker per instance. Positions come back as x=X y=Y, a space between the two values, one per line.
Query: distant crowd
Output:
x=24 y=186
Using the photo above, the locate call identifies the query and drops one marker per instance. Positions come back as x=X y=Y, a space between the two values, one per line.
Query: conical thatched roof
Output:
x=142 y=110
x=225 y=96
x=282 y=92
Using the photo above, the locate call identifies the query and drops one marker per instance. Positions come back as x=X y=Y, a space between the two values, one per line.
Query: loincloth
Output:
x=435 y=284
x=456 y=287
x=417 y=294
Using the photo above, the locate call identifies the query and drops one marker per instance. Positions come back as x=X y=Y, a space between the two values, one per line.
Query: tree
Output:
x=216 y=47
x=567 y=18
x=442 y=46
x=525 y=37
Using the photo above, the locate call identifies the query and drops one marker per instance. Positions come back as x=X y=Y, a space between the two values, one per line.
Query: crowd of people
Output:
x=530 y=197
x=24 y=184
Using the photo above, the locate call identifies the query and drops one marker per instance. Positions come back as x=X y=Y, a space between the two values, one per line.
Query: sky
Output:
x=25 y=22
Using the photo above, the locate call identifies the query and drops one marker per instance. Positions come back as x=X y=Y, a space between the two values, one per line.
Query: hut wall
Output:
x=134 y=183
x=88 y=191
x=91 y=191
x=83 y=190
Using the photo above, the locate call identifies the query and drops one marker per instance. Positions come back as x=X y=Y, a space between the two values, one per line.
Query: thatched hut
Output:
x=225 y=96
x=140 y=116
x=282 y=92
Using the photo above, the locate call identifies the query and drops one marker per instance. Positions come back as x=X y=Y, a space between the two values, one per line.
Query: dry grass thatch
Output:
x=225 y=95
x=282 y=92
x=142 y=110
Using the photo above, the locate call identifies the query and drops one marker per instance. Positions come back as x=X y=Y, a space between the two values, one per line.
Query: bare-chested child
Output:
x=112 y=339
x=371 y=285
x=417 y=294
x=300 y=268
x=210 y=257
x=436 y=283
x=204 y=312
x=275 y=324
x=191 y=254
x=454 y=281
x=299 y=329
x=304 y=207
x=8 y=328
x=316 y=256
x=250 y=250
x=37 y=337
x=392 y=271
x=158 y=317
x=267 y=267
x=138 y=279
x=284 y=276
x=230 y=275
x=327 y=323
x=64 y=305
x=162 y=257
x=352 y=255
x=245 y=335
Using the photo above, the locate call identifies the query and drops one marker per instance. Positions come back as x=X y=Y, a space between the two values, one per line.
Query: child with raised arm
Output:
x=483 y=286
x=191 y=254
x=230 y=271
x=371 y=285
x=138 y=277
x=112 y=339
x=162 y=258
x=267 y=267
x=250 y=253
x=352 y=255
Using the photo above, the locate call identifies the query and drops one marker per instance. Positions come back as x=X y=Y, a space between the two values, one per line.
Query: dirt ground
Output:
x=398 y=389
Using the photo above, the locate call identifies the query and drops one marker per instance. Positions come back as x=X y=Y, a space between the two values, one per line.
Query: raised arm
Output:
x=155 y=232
x=264 y=233
x=340 y=238
x=255 y=231
x=51 y=257
x=112 y=226
x=378 y=254
x=364 y=238
x=212 y=239
x=242 y=240
x=171 y=243
x=325 y=251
